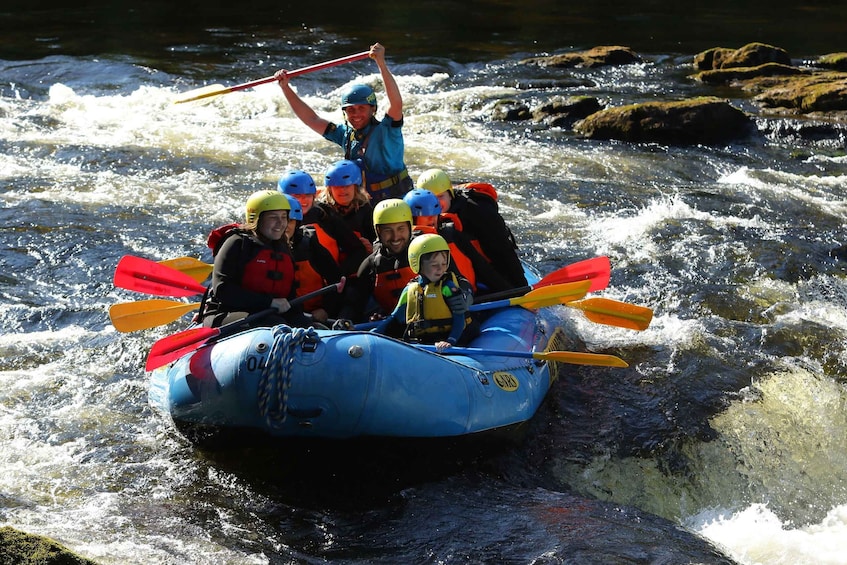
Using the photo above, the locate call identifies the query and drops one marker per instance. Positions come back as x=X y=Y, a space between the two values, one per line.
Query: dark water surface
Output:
x=726 y=436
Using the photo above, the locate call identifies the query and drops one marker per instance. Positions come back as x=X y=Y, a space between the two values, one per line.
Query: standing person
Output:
x=434 y=305
x=344 y=192
x=253 y=268
x=332 y=231
x=314 y=266
x=478 y=215
x=375 y=145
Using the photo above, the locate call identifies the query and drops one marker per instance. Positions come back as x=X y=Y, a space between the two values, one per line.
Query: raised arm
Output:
x=395 y=100
x=302 y=110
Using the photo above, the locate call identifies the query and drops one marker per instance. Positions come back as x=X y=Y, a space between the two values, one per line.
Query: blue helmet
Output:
x=342 y=173
x=296 y=212
x=422 y=202
x=297 y=182
x=358 y=94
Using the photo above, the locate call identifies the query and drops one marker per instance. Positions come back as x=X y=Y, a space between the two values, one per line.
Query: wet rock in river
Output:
x=751 y=55
x=699 y=120
x=834 y=61
x=817 y=93
x=509 y=110
x=19 y=547
x=779 y=87
x=563 y=112
x=740 y=74
x=600 y=56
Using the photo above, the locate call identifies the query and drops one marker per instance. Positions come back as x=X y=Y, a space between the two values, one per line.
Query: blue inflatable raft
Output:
x=304 y=383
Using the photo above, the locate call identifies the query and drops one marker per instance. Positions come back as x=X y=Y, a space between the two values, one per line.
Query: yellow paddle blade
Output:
x=202 y=92
x=552 y=295
x=614 y=313
x=579 y=358
x=145 y=314
x=194 y=268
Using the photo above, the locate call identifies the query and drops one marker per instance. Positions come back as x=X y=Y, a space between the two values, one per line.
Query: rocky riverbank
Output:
x=812 y=93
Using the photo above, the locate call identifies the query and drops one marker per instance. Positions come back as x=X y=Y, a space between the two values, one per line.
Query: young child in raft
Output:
x=434 y=305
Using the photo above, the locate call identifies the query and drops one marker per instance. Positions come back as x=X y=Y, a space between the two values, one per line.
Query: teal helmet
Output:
x=358 y=94
x=296 y=212
x=297 y=182
x=343 y=173
x=422 y=202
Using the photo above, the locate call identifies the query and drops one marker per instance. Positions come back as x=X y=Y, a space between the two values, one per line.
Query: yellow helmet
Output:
x=262 y=201
x=392 y=210
x=423 y=244
x=436 y=181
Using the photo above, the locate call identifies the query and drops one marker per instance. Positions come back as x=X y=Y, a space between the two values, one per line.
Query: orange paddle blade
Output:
x=146 y=314
x=614 y=313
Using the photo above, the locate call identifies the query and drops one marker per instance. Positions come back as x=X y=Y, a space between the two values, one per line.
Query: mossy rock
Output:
x=21 y=548
x=699 y=120
x=816 y=93
x=740 y=74
x=604 y=55
x=560 y=111
x=834 y=61
x=750 y=55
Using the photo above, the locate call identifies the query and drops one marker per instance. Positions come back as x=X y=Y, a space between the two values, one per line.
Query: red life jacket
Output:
x=269 y=272
x=218 y=235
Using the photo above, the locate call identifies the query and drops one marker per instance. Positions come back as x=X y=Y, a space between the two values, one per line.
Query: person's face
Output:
x=290 y=228
x=343 y=195
x=306 y=201
x=435 y=265
x=358 y=115
x=445 y=200
x=395 y=237
x=272 y=224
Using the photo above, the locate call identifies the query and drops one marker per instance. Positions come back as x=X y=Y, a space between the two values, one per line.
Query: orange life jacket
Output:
x=389 y=284
x=308 y=279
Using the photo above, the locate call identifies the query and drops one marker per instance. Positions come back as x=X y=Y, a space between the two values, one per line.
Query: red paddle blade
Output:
x=598 y=270
x=143 y=275
x=175 y=346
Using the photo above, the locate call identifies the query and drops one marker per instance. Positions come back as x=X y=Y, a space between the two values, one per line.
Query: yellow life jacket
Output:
x=427 y=314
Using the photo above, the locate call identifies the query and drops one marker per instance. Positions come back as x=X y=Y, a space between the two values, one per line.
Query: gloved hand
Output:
x=342 y=324
x=458 y=302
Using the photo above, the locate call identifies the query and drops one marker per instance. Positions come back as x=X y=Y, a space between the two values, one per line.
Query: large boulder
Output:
x=600 y=56
x=698 y=120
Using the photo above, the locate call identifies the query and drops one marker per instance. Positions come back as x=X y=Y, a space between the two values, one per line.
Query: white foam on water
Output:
x=756 y=536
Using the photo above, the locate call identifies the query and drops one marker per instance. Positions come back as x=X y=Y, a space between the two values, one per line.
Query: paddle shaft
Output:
x=272 y=78
x=175 y=346
x=571 y=357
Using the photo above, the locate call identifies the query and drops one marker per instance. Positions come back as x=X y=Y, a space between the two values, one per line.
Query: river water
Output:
x=725 y=440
